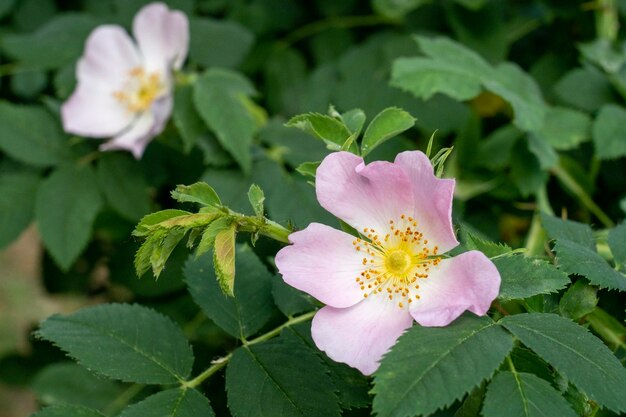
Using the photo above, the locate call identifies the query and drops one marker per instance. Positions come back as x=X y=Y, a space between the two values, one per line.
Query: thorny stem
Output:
x=575 y=188
x=223 y=361
x=333 y=23
x=262 y=226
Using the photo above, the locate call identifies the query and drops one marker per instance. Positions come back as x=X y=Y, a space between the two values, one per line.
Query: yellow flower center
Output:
x=393 y=262
x=140 y=90
x=398 y=262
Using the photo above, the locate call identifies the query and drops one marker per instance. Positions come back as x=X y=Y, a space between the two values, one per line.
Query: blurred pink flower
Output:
x=124 y=89
x=376 y=285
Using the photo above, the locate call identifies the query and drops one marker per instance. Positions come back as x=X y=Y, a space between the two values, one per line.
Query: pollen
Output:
x=140 y=90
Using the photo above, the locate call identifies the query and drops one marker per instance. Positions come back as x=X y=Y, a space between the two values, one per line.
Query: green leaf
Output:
x=545 y=153
x=388 y=123
x=127 y=342
x=221 y=100
x=67 y=204
x=279 y=378
x=617 y=243
x=308 y=168
x=490 y=249
x=289 y=300
x=200 y=192
x=523 y=277
x=57 y=43
x=326 y=128
x=521 y=92
x=67 y=411
x=171 y=403
x=218 y=43
x=6 y=6
x=224 y=258
x=252 y=306
x=608 y=327
x=161 y=246
x=561 y=230
x=472 y=404
x=524 y=395
x=577 y=259
x=30 y=134
x=579 y=300
x=585 y=88
x=354 y=120
x=123 y=185
x=582 y=358
x=208 y=235
x=17 y=204
x=602 y=53
x=147 y=222
x=69 y=383
x=565 y=128
x=429 y=367
x=256 y=198
x=608 y=134
x=187 y=120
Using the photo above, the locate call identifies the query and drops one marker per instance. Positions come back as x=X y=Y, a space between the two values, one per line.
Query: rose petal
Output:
x=109 y=57
x=469 y=281
x=364 y=196
x=322 y=262
x=92 y=114
x=433 y=199
x=360 y=335
x=143 y=129
x=163 y=36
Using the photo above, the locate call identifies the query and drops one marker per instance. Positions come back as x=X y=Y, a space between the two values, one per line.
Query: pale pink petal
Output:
x=93 y=114
x=360 y=335
x=364 y=196
x=322 y=262
x=433 y=199
x=469 y=281
x=144 y=128
x=163 y=36
x=109 y=57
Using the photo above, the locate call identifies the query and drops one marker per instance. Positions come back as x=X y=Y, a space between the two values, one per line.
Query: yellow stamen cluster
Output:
x=395 y=260
x=140 y=90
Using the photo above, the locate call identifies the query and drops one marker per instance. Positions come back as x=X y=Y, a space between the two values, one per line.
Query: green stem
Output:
x=535 y=243
x=333 y=23
x=124 y=398
x=570 y=183
x=222 y=362
x=262 y=226
x=607 y=20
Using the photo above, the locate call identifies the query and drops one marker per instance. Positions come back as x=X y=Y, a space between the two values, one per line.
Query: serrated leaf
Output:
x=252 y=306
x=579 y=300
x=123 y=186
x=429 y=367
x=67 y=411
x=609 y=138
x=200 y=192
x=524 y=395
x=582 y=358
x=127 y=342
x=163 y=248
x=171 y=403
x=208 y=235
x=308 y=168
x=17 y=204
x=560 y=229
x=490 y=249
x=145 y=224
x=577 y=259
x=585 y=88
x=30 y=134
x=354 y=120
x=187 y=120
x=72 y=384
x=388 y=123
x=266 y=380
x=289 y=300
x=608 y=327
x=219 y=96
x=523 y=277
x=326 y=128
x=617 y=243
x=66 y=206
x=256 y=198
x=224 y=258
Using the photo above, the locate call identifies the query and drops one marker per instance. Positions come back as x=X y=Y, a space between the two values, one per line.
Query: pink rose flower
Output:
x=377 y=284
x=124 y=89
